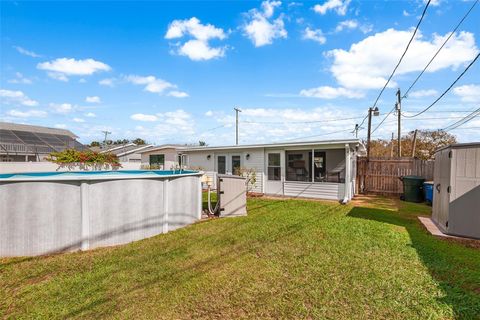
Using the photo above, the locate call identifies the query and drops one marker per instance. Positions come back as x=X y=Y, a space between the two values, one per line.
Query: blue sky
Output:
x=172 y=72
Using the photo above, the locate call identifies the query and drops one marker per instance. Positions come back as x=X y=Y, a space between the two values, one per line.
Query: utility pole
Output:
x=375 y=113
x=399 y=114
x=369 y=132
x=105 y=132
x=391 y=147
x=414 y=144
x=237 y=110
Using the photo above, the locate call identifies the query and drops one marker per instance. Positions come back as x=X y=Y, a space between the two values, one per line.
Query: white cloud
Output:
x=197 y=48
x=143 y=117
x=468 y=93
x=78 y=120
x=433 y=3
x=367 y=63
x=209 y=113
x=339 y=6
x=27 y=114
x=262 y=30
x=60 y=126
x=347 y=24
x=326 y=92
x=58 y=76
x=152 y=84
x=92 y=99
x=26 y=52
x=109 y=82
x=423 y=93
x=82 y=80
x=16 y=97
x=62 y=67
x=90 y=115
x=315 y=35
x=63 y=108
x=406 y=13
x=177 y=94
x=20 y=79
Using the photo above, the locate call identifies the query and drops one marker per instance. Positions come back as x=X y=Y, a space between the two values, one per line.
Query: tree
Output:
x=121 y=141
x=202 y=143
x=139 y=141
x=428 y=141
x=95 y=144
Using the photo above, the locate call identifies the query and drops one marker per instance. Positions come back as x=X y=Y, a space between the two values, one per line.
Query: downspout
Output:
x=346 y=196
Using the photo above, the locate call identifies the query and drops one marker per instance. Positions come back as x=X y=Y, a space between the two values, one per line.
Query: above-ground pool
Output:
x=46 y=212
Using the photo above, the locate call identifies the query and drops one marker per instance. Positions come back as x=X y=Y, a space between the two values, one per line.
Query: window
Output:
x=319 y=166
x=235 y=164
x=299 y=164
x=222 y=164
x=274 y=168
x=157 y=160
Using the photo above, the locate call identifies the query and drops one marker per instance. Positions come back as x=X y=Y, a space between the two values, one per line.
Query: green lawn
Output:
x=287 y=259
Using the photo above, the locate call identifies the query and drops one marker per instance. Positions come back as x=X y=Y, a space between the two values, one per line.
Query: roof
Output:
x=164 y=146
x=36 y=129
x=276 y=145
x=461 y=146
x=125 y=149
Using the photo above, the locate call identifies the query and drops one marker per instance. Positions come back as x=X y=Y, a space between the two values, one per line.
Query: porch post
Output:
x=347 y=197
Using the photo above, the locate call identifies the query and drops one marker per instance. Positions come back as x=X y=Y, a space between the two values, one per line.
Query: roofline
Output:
x=117 y=147
x=273 y=145
x=37 y=129
x=460 y=145
x=164 y=147
x=134 y=150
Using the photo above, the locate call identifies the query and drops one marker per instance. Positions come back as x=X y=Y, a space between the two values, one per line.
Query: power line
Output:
x=403 y=55
x=445 y=92
x=319 y=135
x=300 y=122
x=462 y=121
x=439 y=49
x=383 y=120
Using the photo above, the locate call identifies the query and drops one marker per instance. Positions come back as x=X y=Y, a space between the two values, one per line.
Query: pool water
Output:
x=91 y=174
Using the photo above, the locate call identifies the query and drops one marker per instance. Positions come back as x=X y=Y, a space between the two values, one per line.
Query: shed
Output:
x=456 y=199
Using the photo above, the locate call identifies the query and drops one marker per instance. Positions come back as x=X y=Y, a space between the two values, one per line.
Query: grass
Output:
x=286 y=259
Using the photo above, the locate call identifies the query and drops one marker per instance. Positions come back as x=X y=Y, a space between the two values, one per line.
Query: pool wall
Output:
x=63 y=214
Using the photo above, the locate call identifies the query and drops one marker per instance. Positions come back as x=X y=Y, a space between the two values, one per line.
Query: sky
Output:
x=172 y=72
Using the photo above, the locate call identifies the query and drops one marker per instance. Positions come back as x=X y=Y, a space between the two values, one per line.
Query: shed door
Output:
x=441 y=196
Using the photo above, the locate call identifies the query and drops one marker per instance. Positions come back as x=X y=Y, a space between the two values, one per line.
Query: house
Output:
x=27 y=143
x=313 y=169
x=129 y=152
x=164 y=157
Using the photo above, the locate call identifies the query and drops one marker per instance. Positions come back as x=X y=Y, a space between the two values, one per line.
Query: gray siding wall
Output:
x=198 y=160
x=40 y=217
x=320 y=190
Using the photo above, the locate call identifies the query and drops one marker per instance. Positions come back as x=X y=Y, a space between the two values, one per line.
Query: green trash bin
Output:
x=412 y=188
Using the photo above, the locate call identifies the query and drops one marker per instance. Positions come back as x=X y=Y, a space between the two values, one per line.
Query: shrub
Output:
x=88 y=157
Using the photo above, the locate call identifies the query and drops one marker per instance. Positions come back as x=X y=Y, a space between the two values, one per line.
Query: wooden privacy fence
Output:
x=381 y=175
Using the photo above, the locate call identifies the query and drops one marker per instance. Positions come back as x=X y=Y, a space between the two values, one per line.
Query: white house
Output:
x=313 y=169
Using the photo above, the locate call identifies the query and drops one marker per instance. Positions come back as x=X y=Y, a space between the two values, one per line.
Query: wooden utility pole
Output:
x=414 y=144
x=237 y=110
x=399 y=113
x=369 y=132
x=391 y=147
x=105 y=139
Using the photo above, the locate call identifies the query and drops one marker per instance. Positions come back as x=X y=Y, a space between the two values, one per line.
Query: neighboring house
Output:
x=314 y=169
x=27 y=143
x=164 y=157
x=129 y=152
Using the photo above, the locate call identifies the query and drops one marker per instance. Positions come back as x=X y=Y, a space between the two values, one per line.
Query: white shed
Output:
x=456 y=194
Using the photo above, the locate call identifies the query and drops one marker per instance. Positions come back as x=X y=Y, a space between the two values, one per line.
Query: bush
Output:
x=69 y=156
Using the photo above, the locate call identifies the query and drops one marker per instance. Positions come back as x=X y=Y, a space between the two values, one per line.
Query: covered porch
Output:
x=314 y=172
